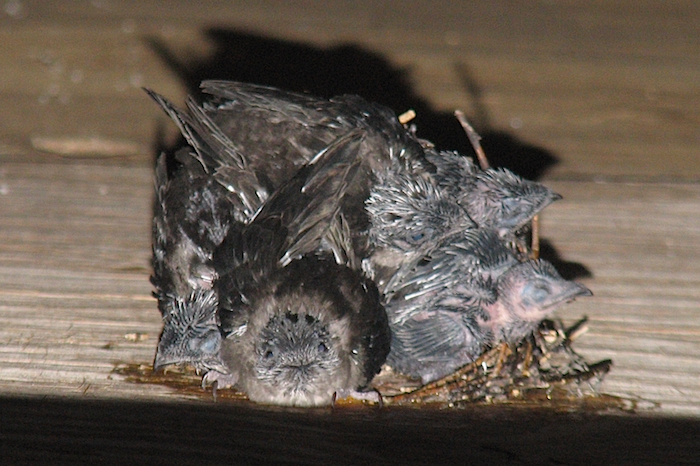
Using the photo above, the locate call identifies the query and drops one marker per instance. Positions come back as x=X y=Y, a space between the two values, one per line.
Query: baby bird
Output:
x=190 y=333
x=299 y=328
x=456 y=325
x=528 y=293
x=191 y=218
x=451 y=269
x=498 y=198
x=494 y=198
x=332 y=331
x=408 y=217
x=427 y=226
x=309 y=332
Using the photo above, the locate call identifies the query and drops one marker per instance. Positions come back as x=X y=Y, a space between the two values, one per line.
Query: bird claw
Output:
x=218 y=380
x=349 y=396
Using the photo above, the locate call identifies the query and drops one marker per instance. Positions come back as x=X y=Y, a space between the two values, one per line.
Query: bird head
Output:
x=500 y=199
x=190 y=334
x=531 y=290
x=409 y=211
x=295 y=352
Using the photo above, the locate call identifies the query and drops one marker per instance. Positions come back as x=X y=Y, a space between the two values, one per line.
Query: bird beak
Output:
x=567 y=291
x=551 y=197
x=574 y=290
x=161 y=361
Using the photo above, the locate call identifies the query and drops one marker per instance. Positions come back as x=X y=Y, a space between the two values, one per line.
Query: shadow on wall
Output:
x=349 y=69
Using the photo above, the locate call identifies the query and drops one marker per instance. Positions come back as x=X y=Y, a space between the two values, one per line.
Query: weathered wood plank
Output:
x=74 y=265
x=74 y=268
x=609 y=88
x=642 y=244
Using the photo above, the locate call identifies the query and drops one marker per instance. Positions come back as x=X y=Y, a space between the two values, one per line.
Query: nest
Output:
x=542 y=366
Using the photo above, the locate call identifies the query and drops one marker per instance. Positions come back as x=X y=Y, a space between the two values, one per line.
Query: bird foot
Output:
x=351 y=397
x=218 y=380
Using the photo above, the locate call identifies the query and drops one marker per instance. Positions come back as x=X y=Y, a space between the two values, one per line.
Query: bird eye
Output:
x=322 y=348
x=268 y=354
x=538 y=292
x=210 y=343
x=417 y=236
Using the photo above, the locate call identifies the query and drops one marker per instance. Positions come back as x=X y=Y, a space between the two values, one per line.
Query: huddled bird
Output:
x=294 y=326
x=290 y=222
x=191 y=218
x=493 y=197
x=442 y=322
x=299 y=327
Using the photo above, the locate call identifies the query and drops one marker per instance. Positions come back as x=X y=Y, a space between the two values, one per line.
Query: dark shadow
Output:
x=567 y=269
x=350 y=69
x=502 y=148
x=84 y=431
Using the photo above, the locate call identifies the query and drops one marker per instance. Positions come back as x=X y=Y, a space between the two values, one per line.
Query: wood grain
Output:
x=609 y=89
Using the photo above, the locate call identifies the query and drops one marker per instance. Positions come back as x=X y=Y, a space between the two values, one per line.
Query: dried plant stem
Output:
x=535 y=246
x=474 y=139
x=407 y=116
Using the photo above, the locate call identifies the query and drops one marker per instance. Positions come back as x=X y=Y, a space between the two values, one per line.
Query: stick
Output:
x=535 y=246
x=474 y=139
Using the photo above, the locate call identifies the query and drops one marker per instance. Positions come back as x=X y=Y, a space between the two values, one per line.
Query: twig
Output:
x=474 y=139
x=535 y=230
x=407 y=116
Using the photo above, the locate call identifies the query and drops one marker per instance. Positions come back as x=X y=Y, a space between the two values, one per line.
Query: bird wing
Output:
x=484 y=251
x=434 y=345
x=265 y=121
x=305 y=207
x=338 y=240
x=160 y=225
x=458 y=272
x=190 y=219
x=293 y=125
x=218 y=155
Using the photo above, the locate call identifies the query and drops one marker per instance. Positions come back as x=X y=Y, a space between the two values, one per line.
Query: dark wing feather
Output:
x=304 y=208
x=433 y=345
x=218 y=156
x=297 y=124
x=291 y=224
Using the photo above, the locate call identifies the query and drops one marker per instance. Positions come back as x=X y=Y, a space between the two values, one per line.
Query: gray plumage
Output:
x=498 y=198
x=494 y=198
x=450 y=269
x=246 y=189
x=455 y=325
x=408 y=216
x=191 y=218
x=190 y=333
x=429 y=227
x=452 y=170
x=262 y=275
x=298 y=326
x=280 y=131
